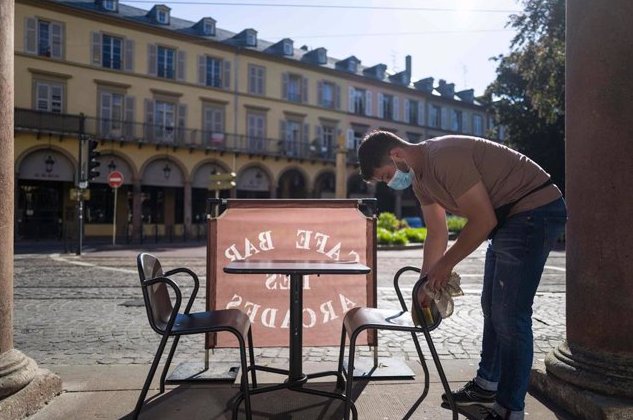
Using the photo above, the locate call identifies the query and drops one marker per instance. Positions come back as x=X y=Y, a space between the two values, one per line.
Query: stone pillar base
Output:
x=43 y=387
x=582 y=404
x=605 y=373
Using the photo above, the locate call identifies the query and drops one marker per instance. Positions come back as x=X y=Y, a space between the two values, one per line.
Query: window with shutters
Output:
x=328 y=95
x=256 y=80
x=478 y=125
x=213 y=125
x=116 y=115
x=328 y=142
x=164 y=121
x=49 y=96
x=44 y=38
x=359 y=99
x=292 y=134
x=435 y=116
x=213 y=72
x=112 y=52
x=166 y=62
x=413 y=112
x=256 y=130
x=457 y=121
x=293 y=87
x=387 y=107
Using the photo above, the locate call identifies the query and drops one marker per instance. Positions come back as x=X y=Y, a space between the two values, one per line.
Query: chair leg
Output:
x=150 y=376
x=340 y=381
x=251 y=355
x=350 y=373
x=440 y=371
x=167 y=363
x=244 y=381
x=426 y=378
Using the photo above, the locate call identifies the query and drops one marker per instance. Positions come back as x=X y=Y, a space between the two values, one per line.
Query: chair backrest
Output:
x=156 y=296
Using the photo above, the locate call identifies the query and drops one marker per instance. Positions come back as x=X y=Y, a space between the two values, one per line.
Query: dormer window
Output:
x=208 y=27
x=321 y=56
x=110 y=5
x=288 y=48
x=251 y=39
x=351 y=66
x=162 y=16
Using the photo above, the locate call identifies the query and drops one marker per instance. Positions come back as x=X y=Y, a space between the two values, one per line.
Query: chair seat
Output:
x=378 y=318
x=223 y=319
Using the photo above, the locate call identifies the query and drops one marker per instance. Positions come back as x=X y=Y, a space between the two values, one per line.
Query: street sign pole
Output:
x=116 y=190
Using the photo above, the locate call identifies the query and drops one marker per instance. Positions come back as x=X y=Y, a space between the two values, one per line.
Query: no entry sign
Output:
x=115 y=179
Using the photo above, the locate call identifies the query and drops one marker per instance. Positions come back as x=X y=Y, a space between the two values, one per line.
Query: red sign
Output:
x=115 y=179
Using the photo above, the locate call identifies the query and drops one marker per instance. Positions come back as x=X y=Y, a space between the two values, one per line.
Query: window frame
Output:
x=164 y=68
x=256 y=80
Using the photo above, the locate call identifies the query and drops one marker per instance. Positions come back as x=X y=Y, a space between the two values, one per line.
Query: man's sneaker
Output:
x=493 y=415
x=472 y=394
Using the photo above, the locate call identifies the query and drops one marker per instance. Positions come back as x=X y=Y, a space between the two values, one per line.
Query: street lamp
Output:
x=49 y=162
x=111 y=166
x=167 y=171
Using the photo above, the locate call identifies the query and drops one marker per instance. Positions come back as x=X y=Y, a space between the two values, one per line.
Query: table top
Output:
x=295 y=267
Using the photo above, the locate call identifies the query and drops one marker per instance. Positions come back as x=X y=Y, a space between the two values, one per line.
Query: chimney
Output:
x=446 y=89
x=408 y=66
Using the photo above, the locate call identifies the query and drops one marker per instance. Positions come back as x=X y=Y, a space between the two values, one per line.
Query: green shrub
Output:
x=415 y=235
x=455 y=223
x=400 y=237
x=384 y=236
x=388 y=221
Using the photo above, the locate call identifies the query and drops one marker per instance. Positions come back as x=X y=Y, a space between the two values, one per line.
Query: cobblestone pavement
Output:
x=89 y=310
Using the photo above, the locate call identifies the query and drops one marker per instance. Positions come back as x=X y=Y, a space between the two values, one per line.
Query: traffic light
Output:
x=93 y=161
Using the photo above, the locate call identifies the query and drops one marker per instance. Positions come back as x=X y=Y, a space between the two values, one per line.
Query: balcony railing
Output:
x=166 y=135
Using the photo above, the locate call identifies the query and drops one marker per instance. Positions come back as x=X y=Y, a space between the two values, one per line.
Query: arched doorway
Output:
x=99 y=210
x=162 y=200
x=292 y=184
x=253 y=182
x=200 y=193
x=44 y=209
x=325 y=185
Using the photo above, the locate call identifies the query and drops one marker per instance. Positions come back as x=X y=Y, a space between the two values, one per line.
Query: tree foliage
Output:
x=528 y=95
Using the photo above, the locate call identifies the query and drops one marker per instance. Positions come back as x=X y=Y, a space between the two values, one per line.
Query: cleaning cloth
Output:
x=442 y=298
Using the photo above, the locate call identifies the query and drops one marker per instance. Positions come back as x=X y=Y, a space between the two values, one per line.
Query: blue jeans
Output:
x=514 y=263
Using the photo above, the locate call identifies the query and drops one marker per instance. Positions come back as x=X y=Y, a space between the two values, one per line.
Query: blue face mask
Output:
x=401 y=180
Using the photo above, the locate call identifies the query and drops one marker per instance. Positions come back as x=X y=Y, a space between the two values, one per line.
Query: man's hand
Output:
x=439 y=275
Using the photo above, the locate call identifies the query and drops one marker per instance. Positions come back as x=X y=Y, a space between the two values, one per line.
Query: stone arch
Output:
x=46 y=164
x=200 y=173
x=325 y=184
x=254 y=181
x=292 y=183
x=110 y=161
x=163 y=171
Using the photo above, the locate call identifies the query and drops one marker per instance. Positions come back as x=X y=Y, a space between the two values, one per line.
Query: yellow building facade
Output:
x=172 y=102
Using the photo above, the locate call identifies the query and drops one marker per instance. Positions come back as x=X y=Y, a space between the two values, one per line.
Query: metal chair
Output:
x=358 y=320
x=165 y=318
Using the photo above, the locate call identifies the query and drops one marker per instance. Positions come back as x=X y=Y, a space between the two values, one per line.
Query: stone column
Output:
x=137 y=211
x=187 y=209
x=591 y=373
x=23 y=387
x=341 y=168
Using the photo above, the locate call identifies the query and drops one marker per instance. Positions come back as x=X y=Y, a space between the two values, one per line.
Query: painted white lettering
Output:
x=248 y=247
x=346 y=304
x=311 y=315
x=265 y=241
x=303 y=239
x=335 y=252
x=321 y=241
x=251 y=310
x=270 y=282
x=232 y=253
x=268 y=317
x=235 y=302
x=286 y=322
x=355 y=256
x=328 y=311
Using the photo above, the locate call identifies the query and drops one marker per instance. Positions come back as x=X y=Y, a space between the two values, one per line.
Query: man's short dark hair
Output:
x=373 y=151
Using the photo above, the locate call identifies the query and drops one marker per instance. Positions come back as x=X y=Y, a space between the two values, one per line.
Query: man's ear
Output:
x=396 y=153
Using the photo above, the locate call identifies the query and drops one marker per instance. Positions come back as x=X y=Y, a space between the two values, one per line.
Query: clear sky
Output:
x=447 y=39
